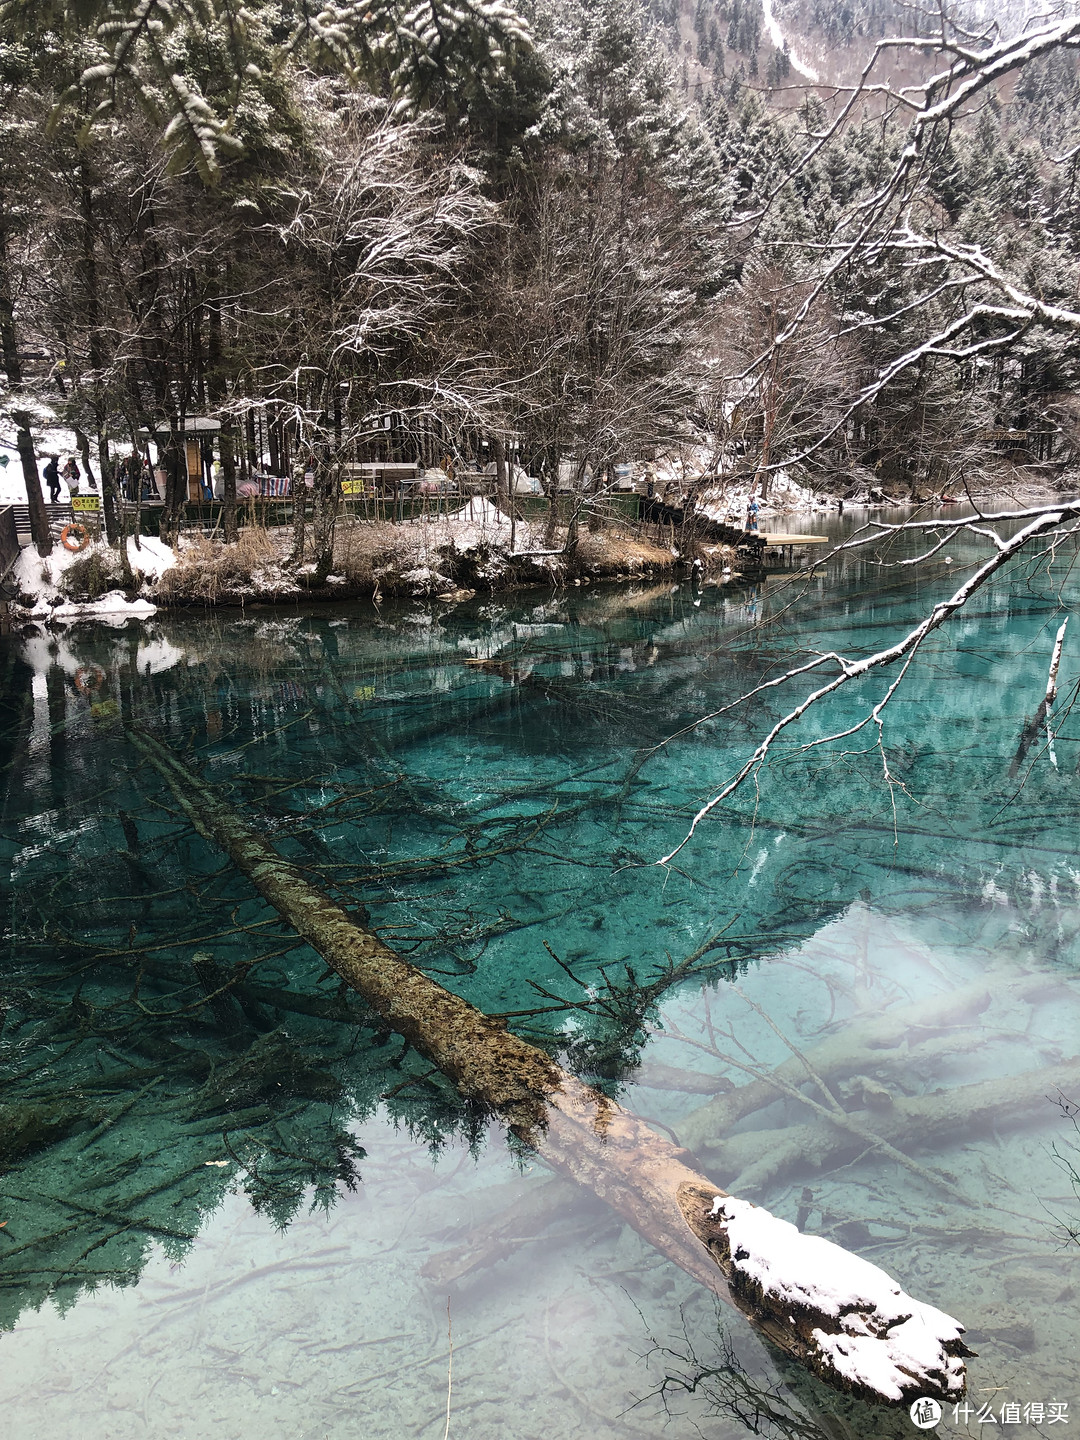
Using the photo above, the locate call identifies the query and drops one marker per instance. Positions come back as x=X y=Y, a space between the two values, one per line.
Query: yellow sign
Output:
x=85 y=503
x=352 y=487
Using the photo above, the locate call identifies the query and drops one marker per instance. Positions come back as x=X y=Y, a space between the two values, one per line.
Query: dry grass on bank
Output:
x=616 y=552
x=208 y=571
x=394 y=559
x=364 y=550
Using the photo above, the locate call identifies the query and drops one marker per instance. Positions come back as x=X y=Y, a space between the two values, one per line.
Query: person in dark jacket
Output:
x=52 y=479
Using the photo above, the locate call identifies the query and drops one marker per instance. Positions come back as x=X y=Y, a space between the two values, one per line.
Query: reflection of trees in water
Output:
x=159 y=1019
x=164 y=1036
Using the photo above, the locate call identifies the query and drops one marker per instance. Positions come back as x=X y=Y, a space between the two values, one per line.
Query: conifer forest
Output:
x=539 y=759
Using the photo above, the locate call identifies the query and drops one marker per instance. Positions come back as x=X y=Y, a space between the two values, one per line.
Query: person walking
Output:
x=52 y=479
x=72 y=474
x=150 y=490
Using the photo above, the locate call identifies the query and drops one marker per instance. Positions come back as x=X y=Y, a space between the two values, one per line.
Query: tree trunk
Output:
x=24 y=440
x=324 y=520
x=249 y=432
x=228 y=472
x=576 y=502
x=109 y=496
x=39 y=520
x=8 y=335
x=550 y=482
x=217 y=390
x=502 y=489
x=273 y=438
x=173 y=459
x=582 y=1134
x=299 y=500
x=110 y=500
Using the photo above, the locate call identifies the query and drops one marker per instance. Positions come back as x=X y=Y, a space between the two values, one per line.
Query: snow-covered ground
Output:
x=55 y=441
x=786 y=496
x=479 y=526
x=776 y=35
x=477 y=523
x=151 y=557
x=730 y=496
x=41 y=580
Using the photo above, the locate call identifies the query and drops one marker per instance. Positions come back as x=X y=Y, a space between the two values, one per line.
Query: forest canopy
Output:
x=574 y=226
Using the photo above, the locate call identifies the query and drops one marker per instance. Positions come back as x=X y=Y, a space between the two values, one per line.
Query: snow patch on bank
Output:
x=786 y=497
x=479 y=530
x=152 y=558
x=477 y=523
x=886 y=1338
x=114 y=605
x=40 y=579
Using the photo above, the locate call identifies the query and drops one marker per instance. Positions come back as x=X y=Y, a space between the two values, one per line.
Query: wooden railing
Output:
x=272 y=511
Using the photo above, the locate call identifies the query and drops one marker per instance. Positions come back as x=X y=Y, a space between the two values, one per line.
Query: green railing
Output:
x=265 y=512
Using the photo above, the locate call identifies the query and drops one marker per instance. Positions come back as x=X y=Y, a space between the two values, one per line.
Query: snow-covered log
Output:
x=857 y=1326
x=844 y=1319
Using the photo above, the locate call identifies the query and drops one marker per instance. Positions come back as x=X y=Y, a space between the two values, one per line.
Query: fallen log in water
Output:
x=861 y=1046
x=908 y=1037
x=502 y=1235
x=767 y=1157
x=844 y=1319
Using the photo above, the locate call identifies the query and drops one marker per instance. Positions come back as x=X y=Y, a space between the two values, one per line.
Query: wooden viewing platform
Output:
x=777 y=544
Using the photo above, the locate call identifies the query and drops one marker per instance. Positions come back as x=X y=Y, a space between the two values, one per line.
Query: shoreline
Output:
x=449 y=560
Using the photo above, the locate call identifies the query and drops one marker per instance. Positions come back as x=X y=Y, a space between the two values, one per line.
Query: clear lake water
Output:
x=232 y=1208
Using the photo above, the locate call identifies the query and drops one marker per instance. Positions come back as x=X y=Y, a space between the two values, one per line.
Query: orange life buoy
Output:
x=75 y=537
x=89 y=678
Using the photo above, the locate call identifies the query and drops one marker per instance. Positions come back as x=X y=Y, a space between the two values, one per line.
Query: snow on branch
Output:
x=873 y=225
x=853 y=670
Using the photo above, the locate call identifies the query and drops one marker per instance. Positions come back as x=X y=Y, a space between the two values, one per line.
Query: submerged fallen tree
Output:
x=905 y=1035
x=767 y=1157
x=843 y=1318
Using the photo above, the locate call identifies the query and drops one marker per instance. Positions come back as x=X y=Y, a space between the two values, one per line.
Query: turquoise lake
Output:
x=231 y=1206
